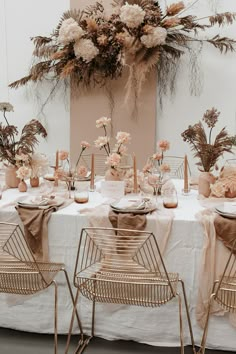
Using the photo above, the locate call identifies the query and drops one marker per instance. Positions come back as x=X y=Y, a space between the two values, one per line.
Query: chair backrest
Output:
x=119 y=251
x=176 y=164
x=15 y=250
x=99 y=163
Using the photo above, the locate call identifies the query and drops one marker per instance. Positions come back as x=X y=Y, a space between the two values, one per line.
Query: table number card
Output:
x=113 y=189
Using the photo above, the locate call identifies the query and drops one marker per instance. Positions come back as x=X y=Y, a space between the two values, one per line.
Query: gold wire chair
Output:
x=21 y=274
x=176 y=164
x=99 y=163
x=223 y=292
x=124 y=267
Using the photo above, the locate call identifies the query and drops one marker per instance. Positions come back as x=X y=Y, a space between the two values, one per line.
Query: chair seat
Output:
x=26 y=278
x=226 y=294
x=141 y=289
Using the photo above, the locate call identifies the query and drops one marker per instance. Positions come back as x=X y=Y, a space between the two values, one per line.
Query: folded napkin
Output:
x=35 y=223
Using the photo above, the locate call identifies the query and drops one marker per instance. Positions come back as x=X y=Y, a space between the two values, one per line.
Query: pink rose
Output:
x=63 y=155
x=163 y=145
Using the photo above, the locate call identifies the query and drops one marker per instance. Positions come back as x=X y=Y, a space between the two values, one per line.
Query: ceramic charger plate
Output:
x=134 y=206
x=32 y=203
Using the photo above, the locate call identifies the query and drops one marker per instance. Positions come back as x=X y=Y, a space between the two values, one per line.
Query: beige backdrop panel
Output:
x=95 y=103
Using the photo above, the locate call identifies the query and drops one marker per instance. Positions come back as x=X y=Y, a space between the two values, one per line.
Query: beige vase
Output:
x=10 y=177
x=22 y=186
x=34 y=182
x=113 y=175
x=204 y=182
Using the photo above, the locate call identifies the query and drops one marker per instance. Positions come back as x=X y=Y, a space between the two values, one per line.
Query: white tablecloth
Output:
x=154 y=326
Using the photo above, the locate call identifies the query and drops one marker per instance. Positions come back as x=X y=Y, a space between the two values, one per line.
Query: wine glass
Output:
x=154 y=180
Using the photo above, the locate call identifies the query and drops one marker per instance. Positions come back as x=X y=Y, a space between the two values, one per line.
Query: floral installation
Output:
x=88 y=47
x=10 y=148
x=114 y=155
x=206 y=149
x=156 y=164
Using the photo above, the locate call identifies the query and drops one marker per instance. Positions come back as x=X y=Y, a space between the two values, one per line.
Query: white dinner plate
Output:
x=133 y=206
x=31 y=203
x=226 y=210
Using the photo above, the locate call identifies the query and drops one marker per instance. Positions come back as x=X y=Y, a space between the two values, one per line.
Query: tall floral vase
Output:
x=10 y=177
x=112 y=174
x=204 y=182
x=22 y=186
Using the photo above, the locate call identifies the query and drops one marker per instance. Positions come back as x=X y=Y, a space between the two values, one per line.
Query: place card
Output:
x=113 y=189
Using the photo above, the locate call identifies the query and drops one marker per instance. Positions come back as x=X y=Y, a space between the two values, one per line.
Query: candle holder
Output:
x=185 y=191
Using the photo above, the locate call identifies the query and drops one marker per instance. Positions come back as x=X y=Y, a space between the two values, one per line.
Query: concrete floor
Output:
x=15 y=342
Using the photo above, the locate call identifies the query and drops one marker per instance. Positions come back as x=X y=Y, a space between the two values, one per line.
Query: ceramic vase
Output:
x=204 y=182
x=10 y=177
x=34 y=182
x=22 y=186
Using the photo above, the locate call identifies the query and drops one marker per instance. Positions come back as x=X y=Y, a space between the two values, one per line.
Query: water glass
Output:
x=170 y=198
x=81 y=194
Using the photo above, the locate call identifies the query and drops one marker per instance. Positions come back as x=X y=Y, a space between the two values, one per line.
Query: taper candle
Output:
x=186 y=187
x=135 y=174
x=56 y=169
x=57 y=160
x=92 y=173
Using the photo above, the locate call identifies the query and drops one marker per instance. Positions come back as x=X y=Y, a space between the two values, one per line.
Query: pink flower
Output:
x=84 y=144
x=147 y=168
x=102 y=122
x=23 y=172
x=123 y=138
x=22 y=157
x=113 y=160
x=63 y=155
x=165 y=168
x=157 y=156
x=82 y=171
x=101 y=141
x=163 y=145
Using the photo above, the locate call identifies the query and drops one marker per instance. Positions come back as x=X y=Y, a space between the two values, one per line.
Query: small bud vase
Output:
x=34 y=182
x=22 y=186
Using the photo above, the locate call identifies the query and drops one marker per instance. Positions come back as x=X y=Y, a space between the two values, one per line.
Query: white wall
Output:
x=219 y=88
x=20 y=20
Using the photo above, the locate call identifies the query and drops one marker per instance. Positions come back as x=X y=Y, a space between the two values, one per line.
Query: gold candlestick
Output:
x=135 y=175
x=92 y=187
x=186 y=184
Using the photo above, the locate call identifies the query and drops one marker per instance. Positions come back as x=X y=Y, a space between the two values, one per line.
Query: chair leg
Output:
x=181 y=325
x=73 y=302
x=55 y=317
x=71 y=324
x=188 y=316
x=204 y=336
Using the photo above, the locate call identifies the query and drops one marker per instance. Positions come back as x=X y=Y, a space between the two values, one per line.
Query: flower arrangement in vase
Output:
x=207 y=149
x=114 y=156
x=10 y=147
x=156 y=169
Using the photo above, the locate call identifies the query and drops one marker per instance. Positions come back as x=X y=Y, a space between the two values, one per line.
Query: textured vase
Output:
x=113 y=175
x=22 y=186
x=10 y=177
x=204 y=182
x=34 y=182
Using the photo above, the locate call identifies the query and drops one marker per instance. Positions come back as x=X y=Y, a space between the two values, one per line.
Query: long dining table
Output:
x=154 y=326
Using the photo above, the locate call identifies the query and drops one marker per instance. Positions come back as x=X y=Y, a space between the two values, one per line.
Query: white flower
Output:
x=101 y=141
x=6 y=106
x=156 y=37
x=69 y=31
x=102 y=122
x=132 y=15
x=23 y=172
x=85 y=49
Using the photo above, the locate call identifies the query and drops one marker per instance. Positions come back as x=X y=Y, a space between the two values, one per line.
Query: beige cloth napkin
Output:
x=35 y=223
x=213 y=261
